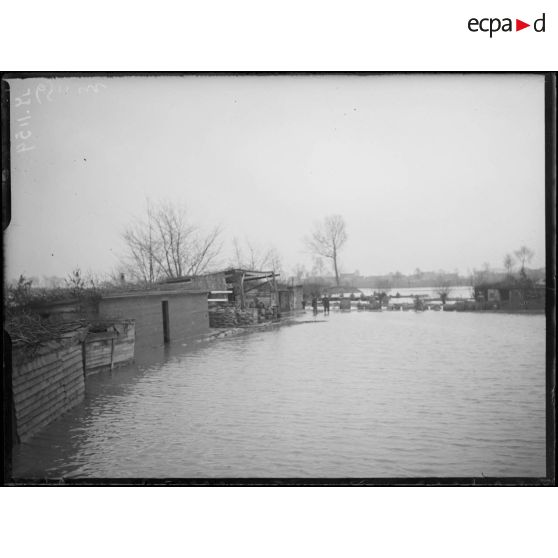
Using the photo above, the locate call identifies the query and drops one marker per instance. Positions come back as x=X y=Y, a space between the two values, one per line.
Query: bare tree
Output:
x=318 y=269
x=443 y=288
x=251 y=257
x=166 y=244
x=79 y=283
x=276 y=261
x=327 y=240
x=509 y=264
x=117 y=277
x=142 y=243
x=299 y=272
x=524 y=255
x=204 y=250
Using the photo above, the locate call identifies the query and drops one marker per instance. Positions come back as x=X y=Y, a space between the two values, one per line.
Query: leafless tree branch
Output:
x=166 y=244
x=327 y=240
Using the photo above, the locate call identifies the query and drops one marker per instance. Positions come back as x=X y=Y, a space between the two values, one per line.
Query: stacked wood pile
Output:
x=222 y=318
x=232 y=317
x=47 y=382
x=246 y=317
x=268 y=314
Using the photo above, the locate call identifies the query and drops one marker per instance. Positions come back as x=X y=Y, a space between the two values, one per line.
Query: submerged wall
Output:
x=290 y=298
x=46 y=381
x=109 y=346
x=187 y=314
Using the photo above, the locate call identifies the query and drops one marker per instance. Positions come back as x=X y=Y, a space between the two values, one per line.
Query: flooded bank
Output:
x=353 y=395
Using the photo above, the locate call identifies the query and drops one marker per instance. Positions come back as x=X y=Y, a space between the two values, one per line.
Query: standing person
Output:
x=314 y=305
x=325 y=302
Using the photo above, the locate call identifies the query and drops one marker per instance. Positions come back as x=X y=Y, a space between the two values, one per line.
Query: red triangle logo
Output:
x=519 y=25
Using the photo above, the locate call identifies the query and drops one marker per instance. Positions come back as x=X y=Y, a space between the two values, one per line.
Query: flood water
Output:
x=359 y=394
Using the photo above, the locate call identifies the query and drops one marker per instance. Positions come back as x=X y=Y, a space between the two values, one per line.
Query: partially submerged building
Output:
x=179 y=309
x=244 y=296
x=88 y=334
x=160 y=314
x=253 y=289
x=290 y=298
x=512 y=295
x=242 y=288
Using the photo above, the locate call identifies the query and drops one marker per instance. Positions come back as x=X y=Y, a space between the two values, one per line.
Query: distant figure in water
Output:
x=314 y=305
x=325 y=302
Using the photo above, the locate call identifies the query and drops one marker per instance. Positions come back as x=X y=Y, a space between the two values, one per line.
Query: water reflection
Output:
x=357 y=394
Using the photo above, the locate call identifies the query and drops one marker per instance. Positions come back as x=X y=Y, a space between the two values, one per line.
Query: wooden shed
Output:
x=160 y=316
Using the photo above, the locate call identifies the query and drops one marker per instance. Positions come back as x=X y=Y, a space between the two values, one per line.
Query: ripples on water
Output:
x=362 y=394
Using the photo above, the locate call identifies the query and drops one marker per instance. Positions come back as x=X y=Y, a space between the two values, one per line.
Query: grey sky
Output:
x=429 y=171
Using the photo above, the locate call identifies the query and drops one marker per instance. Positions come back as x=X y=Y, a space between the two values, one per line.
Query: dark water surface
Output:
x=362 y=394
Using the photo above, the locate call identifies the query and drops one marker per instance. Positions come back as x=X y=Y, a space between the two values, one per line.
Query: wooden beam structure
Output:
x=238 y=279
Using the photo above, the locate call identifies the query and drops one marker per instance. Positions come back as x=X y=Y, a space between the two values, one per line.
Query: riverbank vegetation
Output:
x=25 y=324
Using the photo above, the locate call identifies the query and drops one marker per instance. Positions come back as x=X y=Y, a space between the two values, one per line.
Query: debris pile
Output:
x=231 y=317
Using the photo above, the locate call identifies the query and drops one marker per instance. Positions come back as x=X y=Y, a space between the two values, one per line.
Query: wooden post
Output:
x=277 y=303
x=166 y=326
x=275 y=289
x=242 y=297
x=84 y=357
x=112 y=353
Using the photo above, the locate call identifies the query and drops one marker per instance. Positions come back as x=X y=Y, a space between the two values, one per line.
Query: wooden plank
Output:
x=70 y=368
x=38 y=422
x=44 y=391
x=50 y=406
x=23 y=369
x=29 y=389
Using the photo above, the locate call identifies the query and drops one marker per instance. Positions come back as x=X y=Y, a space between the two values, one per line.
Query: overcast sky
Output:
x=429 y=171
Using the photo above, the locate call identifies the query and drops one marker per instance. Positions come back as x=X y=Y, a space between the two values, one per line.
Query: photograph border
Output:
x=550 y=96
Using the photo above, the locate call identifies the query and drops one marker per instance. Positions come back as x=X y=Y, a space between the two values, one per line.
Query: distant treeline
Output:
x=422 y=279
